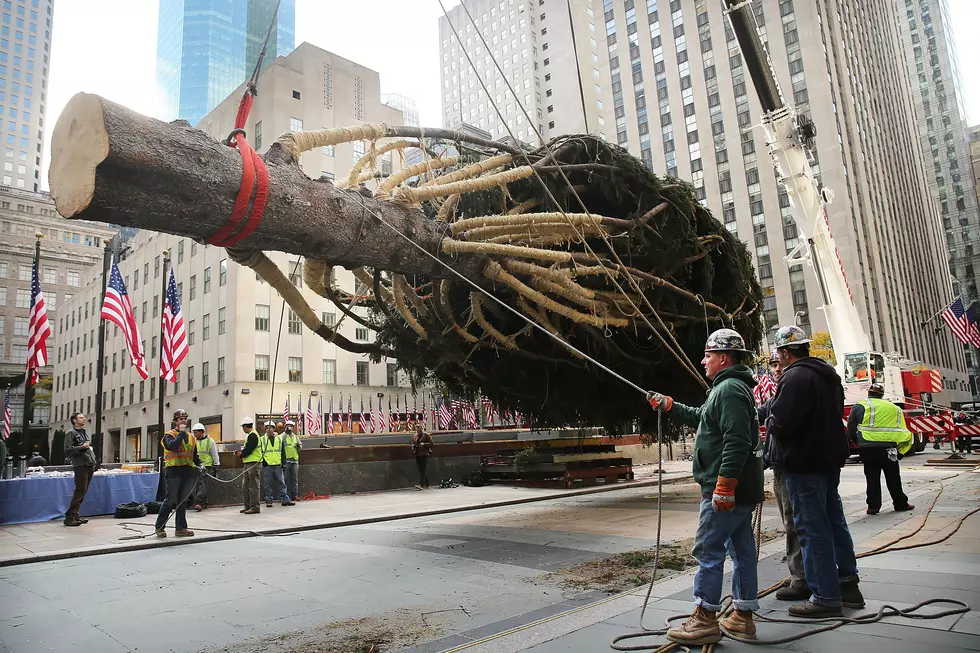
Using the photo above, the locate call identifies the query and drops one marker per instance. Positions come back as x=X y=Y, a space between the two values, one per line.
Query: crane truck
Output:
x=790 y=136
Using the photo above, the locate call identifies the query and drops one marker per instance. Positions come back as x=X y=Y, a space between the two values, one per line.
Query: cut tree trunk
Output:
x=111 y=164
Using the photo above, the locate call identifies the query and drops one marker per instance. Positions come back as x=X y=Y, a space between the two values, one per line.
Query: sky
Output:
x=108 y=47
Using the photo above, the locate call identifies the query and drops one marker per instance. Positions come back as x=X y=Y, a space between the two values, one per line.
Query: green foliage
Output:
x=524 y=458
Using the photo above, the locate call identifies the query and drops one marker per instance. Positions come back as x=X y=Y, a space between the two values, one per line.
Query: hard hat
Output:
x=269 y=422
x=725 y=340
x=180 y=412
x=290 y=422
x=774 y=356
x=876 y=390
x=198 y=427
x=788 y=336
x=247 y=421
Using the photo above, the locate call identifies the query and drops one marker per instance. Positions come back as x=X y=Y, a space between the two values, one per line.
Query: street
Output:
x=424 y=584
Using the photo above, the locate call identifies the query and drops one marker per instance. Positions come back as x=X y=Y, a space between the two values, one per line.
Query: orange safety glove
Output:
x=723 y=498
x=659 y=401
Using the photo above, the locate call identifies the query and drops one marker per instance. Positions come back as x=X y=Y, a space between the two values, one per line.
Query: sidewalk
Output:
x=37 y=542
x=901 y=579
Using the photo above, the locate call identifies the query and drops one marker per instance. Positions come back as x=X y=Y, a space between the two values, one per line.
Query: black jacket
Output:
x=806 y=421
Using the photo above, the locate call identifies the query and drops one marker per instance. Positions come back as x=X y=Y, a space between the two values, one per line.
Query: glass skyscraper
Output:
x=205 y=49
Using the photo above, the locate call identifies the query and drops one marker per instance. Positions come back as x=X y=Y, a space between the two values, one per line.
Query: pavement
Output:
x=51 y=540
x=483 y=575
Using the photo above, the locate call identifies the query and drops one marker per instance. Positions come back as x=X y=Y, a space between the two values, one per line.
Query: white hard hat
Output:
x=290 y=422
x=247 y=421
x=198 y=427
x=269 y=422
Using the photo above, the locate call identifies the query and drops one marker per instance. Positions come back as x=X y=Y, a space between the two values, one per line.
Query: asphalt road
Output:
x=432 y=581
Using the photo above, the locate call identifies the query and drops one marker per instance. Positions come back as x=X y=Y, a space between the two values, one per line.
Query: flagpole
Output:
x=28 y=386
x=939 y=312
x=163 y=381
x=100 y=362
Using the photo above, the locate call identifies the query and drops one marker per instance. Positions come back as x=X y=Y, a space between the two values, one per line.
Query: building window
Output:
x=258 y=135
x=361 y=333
x=156 y=268
x=206 y=327
x=295 y=326
x=205 y=373
x=221 y=321
x=363 y=373
x=74 y=278
x=190 y=379
x=328 y=319
x=261 y=367
x=50 y=275
x=295 y=369
x=295 y=124
x=142 y=390
x=156 y=304
x=207 y=280
x=191 y=327
x=261 y=317
x=221 y=370
x=329 y=371
x=223 y=272
x=193 y=287
x=296 y=273
x=153 y=389
x=180 y=251
x=24 y=300
x=391 y=376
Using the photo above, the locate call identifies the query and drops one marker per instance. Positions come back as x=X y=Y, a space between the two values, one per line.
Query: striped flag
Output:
x=319 y=413
x=765 y=388
x=398 y=414
x=7 y=417
x=37 y=331
x=973 y=330
x=392 y=419
x=173 y=349
x=374 y=416
x=422 y=415
x=364 y=417
x=285 y=411
x=340 y=414
x=310 y=422
x=382 y=419
x=330 y=417
x=955 y=318
x=118 y=309
x=490 y=410
x=445 y=417
x=350 y=423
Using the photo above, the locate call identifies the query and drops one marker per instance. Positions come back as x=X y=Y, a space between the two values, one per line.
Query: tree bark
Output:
x=111 y=164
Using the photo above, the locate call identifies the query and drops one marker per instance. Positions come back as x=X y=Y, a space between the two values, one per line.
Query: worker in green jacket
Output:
x=878 y=428
x=728 y=466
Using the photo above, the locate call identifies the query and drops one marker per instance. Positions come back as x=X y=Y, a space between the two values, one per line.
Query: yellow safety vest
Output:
x=184 y=456
x=271 y=450
x=256 y=454
x=292 y=447
x=883 y=425
x=204 y=451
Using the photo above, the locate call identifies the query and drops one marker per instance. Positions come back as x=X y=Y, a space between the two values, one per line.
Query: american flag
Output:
x=409 y=417
x=319 y=413
x=469 y=409
x=173 y=349
x=330 y=417
x=382 y=419
x=422 y=415
x=445 y=417
x=374 y=416
x=364 y=417
x=117 y=308
x=7 y=416
x=310 y=421
x=37 y=331
x=974 y=330
x=490 y=410
x=350 y=422
x=398 y=414
x=956 y=319
x=765 y=388
x=392 y=418
x=285 y=411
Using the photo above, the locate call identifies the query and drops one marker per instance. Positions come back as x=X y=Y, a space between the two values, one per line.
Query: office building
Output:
x=71 y=253
x=933 y=71
x=675 y=66
x=207 y=48
x=25 y=51
x=238 y=345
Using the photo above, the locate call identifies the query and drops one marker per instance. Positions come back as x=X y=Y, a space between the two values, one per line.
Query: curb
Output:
x=273 y=532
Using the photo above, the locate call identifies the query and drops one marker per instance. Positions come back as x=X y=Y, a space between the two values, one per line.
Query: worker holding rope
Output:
x=728 y=466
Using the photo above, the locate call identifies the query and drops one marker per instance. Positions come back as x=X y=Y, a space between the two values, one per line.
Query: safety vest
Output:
x=184 y=456
x=883 y=426
x=256 y=454
x=292 y=447
x=271 y=450
x=204 y=451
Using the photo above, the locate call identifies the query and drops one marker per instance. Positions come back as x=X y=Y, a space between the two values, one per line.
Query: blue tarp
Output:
x=41 y=499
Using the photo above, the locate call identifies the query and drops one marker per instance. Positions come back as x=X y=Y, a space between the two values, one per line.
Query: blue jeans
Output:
x=272 y=480
x=719 y=532
x=828 y=550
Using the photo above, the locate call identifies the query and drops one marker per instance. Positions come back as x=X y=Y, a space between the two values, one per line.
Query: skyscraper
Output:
x=25 y=49
x=621 y=68
x=207 y=48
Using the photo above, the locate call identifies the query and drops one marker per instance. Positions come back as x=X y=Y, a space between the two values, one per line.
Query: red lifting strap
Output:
x=254 y=173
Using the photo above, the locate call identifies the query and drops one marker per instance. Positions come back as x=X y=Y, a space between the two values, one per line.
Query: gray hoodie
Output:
x=78 y=457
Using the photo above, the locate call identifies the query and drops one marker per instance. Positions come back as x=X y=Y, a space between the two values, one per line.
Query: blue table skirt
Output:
x=42 y=499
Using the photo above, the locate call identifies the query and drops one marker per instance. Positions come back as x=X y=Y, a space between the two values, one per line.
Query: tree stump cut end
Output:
x=80 y=142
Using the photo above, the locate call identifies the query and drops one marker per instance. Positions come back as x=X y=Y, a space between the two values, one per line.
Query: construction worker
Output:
x=183 y=469
x=272 y=446
x=809 y=443
x=291 y=448
x=207 y=451
x=280 y=427
x=728 y=466
x=251 y=457
x=878 y=428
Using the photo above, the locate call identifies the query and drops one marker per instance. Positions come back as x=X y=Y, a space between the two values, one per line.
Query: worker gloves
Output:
x=659 y=401
x=723 y=498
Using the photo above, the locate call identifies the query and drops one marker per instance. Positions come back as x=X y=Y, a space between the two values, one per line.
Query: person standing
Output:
x=878 y=428
x=809 y=443
x=207 y=451
x=271 y=444
x=251 y=457
x=728 y=466
x=422 y=448
x=291 y=448
x=78 y=449
x=183 y=469
x=797 y=589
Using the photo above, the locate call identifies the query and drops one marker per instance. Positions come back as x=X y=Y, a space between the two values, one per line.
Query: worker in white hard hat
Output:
x=271 y=444
x=291 y=448
x=207 y=451
x=251 y=457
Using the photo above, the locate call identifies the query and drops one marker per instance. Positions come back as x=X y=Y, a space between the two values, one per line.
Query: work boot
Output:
x=793 y=593
x=243 y=510
x=160 y=532
x=184 y=532
x=268 y=504
x=198 y=507
x=700 y=628
x=288 y=503
x=252 y=511
x=739 y=623
x=908 y=506
x=812 y=610
x=73 y=522
x=85 y=521
x=851 y=595
x=872 y=511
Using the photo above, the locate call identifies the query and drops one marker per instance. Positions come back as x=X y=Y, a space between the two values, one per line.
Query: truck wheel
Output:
x=920 y=442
